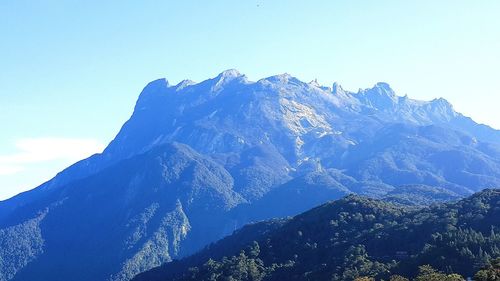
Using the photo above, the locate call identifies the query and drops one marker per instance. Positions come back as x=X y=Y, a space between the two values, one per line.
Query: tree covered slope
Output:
x=350 y=238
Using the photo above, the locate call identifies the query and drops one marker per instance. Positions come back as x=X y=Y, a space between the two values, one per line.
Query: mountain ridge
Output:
x=228 y=151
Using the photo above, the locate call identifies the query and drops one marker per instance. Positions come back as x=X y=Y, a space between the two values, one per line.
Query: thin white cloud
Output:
x=9 y=170
x=41 y=150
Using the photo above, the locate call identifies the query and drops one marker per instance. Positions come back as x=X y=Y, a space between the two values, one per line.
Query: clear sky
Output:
x=71 y=71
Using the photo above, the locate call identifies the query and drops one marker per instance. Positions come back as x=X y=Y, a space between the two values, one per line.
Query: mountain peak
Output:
x=283 y=78
x=157 y=84
x=381 y=96
x=442 y=101
x=152 y=90
x=183 y=84
x=385 y=88
x=444 y=107
x=315 y=83
x=229 y=74
x=226 y=77
x=337 y=89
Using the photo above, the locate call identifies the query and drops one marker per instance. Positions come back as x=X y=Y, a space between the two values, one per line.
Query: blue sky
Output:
x=70 y=71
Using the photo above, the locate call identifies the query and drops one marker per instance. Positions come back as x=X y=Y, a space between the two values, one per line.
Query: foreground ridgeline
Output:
x=197 y=161
x=356 y=238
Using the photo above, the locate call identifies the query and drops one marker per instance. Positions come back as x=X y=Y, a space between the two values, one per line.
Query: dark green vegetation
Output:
x=490 y=272
x=355 y=237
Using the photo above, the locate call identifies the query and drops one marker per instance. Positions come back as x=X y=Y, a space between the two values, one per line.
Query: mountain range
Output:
x=197 y=161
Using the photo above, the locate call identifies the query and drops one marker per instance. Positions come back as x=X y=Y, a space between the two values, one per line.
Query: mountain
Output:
x=350 y=238
x=140 y=210
x=196 y=161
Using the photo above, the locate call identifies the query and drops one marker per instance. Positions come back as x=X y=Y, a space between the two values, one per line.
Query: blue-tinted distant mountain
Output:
x=215 y=155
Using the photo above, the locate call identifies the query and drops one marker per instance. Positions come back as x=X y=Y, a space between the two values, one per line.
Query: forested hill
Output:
x=351 y=238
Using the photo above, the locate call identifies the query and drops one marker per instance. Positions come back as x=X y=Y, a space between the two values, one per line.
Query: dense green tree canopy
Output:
x=357 y=238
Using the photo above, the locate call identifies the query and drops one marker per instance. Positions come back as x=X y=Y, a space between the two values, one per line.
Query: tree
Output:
x=398 y=278
x=489 y=273
x=428 y=273
x=364 y=278
x=358 y=264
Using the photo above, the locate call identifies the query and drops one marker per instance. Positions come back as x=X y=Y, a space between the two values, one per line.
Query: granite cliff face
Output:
x=198 y=160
